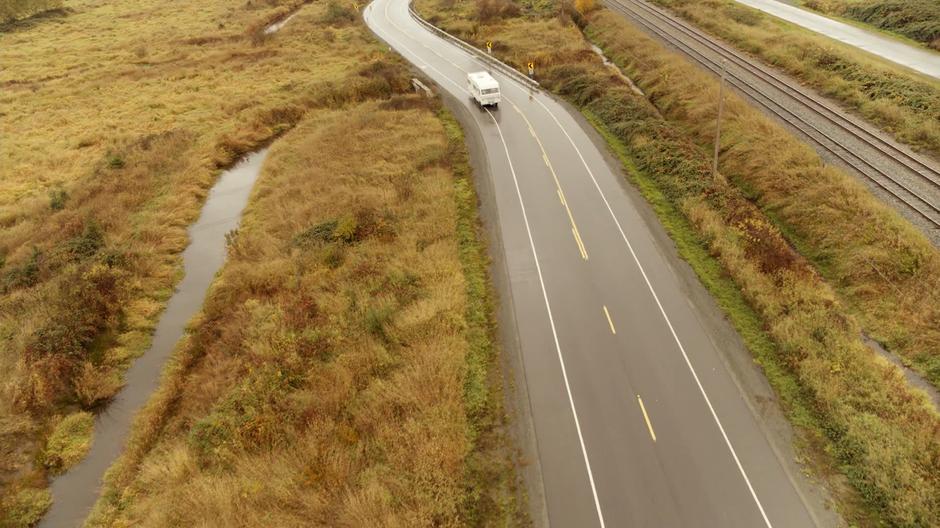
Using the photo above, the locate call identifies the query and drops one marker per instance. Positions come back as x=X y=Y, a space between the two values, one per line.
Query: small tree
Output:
x=585 y=6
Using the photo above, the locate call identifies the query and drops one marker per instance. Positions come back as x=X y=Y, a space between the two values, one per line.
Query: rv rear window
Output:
x=489 y=91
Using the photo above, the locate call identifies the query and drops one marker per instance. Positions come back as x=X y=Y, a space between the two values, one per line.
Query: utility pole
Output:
x=721 y=104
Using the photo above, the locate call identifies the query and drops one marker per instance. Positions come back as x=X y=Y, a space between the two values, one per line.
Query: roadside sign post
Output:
x=531 y=69
x=489 y=47
x=721 y=101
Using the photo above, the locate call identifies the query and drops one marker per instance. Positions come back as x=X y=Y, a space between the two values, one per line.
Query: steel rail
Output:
x=833 y=115
x=641 y=13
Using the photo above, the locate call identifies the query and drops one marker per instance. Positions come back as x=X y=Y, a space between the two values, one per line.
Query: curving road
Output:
x=638 y=420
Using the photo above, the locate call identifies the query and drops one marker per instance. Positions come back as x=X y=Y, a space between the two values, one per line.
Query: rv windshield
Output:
x=489 y=91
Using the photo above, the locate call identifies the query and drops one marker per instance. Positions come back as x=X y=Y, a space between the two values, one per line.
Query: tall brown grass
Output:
x=882 y=436
x=331 y=377
x=13 y=10
x=117 y=120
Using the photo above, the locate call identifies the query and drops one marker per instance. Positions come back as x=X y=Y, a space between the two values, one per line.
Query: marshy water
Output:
x=275 y=27
x=616 y=69
x=913 y=377
x=75 y=492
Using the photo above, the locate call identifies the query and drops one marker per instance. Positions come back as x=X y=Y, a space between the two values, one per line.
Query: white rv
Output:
x=483 y=88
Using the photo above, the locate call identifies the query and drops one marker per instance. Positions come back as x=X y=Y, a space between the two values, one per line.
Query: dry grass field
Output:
x=116 y=119
x=795 y=252
x=334 y=378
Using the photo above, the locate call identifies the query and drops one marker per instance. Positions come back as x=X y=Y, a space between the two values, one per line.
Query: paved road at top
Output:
x=637 y=419
x=919 y=59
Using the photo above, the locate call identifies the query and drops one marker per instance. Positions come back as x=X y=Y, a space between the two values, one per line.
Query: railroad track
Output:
x=909 y=179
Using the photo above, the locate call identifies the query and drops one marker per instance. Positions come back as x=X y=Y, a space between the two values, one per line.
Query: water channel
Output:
x=75 y=492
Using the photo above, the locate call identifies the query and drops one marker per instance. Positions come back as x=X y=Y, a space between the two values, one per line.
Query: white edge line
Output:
x=665 y=317
x=649 y=285
x=538 y=268
x=551 y=321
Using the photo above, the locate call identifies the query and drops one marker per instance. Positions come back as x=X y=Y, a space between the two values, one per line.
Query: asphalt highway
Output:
x=638 y=420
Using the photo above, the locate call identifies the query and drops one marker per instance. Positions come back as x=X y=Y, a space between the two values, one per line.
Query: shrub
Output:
x=585 y=6
x=115 y=161
x=404 y=285
x=87 y=244
x=377 y=320
x=338 y=14
x=392 y=75
x=69 y=441
x=322 y=232
x=346 y=229
x=57 y=199
x=743 y=15
x=24 y=506
x=493 y=10
x=333 y=256
x=25 y=275
x=93 y=385
x=254 y=415
x=86 y=303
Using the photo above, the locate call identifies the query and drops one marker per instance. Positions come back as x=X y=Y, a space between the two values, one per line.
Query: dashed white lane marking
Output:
x=538 y=269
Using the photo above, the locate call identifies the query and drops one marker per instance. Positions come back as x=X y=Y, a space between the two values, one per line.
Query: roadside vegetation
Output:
x=883 y=268
x=342 y=371
x=116 y=121
x=915 y=19
x=15 y=10
x=902 y=102
x=801 y=257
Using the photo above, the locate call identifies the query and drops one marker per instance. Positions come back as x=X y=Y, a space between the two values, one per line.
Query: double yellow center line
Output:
x=580 y=243
x=561 y=194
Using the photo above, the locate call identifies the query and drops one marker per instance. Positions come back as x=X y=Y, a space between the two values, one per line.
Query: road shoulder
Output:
x=521 y=427
x=746 y=373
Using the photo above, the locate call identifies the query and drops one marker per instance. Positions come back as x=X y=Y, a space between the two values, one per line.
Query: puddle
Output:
x=912 y=377
x=75 y=492
x=275 y=27
x=616 y=69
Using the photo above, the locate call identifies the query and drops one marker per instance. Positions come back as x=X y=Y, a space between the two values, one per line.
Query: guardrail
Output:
x=418 y=85
x=473 y=50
